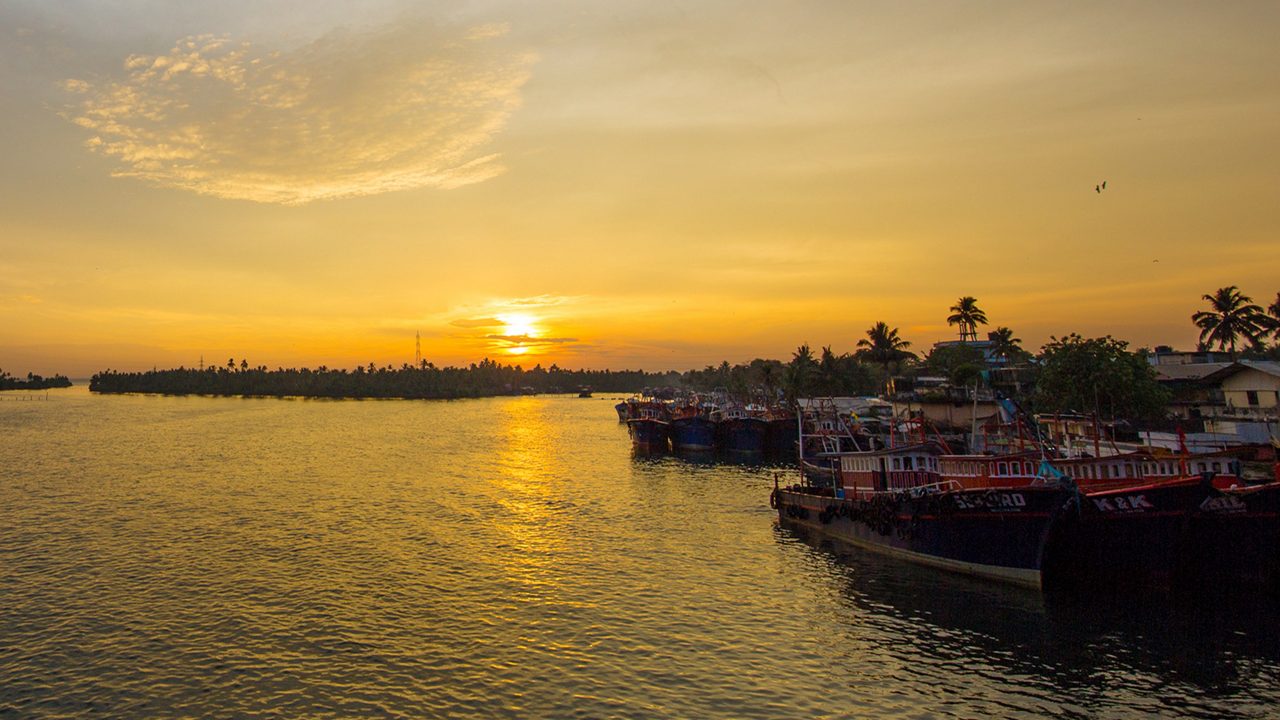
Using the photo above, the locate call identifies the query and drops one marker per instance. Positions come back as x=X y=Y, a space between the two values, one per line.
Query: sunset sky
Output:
x=620 y=184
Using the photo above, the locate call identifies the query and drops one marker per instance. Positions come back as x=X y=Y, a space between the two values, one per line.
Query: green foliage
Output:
x=960 y=364
x=1098 y=375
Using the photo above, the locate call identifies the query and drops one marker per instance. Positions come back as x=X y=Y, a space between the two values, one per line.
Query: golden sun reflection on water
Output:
x=528 y=471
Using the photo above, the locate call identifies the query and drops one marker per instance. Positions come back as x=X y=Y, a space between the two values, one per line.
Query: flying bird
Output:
x=1097 y=188
x=1104 y=184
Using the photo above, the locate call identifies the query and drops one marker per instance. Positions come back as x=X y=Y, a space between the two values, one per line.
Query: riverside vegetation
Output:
x=1100 y=376
x=33 y=382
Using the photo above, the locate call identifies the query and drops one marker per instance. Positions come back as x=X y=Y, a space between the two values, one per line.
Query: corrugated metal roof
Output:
x=1189 y=371
x=1269 y=367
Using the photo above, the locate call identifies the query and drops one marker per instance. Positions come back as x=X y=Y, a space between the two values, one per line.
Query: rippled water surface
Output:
x=511 y=558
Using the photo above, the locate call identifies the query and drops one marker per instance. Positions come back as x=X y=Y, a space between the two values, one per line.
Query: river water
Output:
x=510 y=557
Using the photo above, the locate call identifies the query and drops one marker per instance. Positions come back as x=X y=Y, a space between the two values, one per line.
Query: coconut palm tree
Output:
x=883 y=345
x=799 y=373
x=1005 y=345
x=1274 y=309
x=1232 y=316
x=968 y=316
x=829 y=366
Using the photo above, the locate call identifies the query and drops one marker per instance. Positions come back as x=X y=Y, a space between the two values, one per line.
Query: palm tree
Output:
x=883 y=345
x=799 y=373
x=829 y=371
x=1232 y=316
x=968 y=316
x=1274 y=309
x=1004 y=344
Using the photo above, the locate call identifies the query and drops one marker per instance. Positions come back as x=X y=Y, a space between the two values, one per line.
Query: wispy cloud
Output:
x=538 y=301
x=530 y=340
x=477 y=323
x=406 y=106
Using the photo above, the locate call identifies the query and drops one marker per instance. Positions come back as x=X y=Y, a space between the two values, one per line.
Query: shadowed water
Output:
x=511 y=558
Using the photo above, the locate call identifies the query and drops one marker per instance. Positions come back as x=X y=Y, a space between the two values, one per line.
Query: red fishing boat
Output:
x=895 y=501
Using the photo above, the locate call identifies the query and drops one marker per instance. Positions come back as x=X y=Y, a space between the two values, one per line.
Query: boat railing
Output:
x=916 y=491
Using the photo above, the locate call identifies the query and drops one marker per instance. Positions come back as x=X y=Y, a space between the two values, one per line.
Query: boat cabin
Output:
x=990 y=471
x=891 y=469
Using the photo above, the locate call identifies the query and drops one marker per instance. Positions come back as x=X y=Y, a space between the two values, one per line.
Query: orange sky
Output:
x=620 y=184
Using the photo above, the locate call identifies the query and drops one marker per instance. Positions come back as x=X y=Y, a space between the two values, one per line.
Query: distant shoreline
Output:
x=425 y=382
x=34 y=382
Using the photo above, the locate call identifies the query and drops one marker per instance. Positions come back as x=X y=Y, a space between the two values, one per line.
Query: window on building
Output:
x=1252 y=397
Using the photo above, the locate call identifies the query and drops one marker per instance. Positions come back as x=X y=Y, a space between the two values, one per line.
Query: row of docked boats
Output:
x=1144 y=517
x=697 y=423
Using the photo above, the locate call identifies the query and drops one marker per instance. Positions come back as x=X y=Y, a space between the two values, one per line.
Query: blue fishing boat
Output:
x=692 y=430
x=649 y=427
x=741 y=429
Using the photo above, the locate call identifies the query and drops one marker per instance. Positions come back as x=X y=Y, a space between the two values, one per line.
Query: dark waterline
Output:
x=510 y=557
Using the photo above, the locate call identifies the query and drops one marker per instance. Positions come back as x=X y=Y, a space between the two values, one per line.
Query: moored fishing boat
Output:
x=894 y=501
x=741 y=429
x=692 y=429
x=1186 y=522
x=781 y=437
x=1233 y=540
x=649 y=426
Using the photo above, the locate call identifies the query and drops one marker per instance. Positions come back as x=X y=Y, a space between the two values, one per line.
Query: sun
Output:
x=517 y=328
x=518 y=325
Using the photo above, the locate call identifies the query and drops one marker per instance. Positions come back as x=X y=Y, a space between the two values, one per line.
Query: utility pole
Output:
x=417 y=349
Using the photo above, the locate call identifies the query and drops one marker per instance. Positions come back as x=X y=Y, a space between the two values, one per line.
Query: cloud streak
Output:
x=530 y=340
x=477 y=323
x=407 y=106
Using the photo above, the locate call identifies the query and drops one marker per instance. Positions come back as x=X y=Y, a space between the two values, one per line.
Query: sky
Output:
x=624 y=184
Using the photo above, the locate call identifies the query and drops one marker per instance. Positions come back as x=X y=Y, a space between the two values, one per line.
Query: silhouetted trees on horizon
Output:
x=1072 y=372
x=426 y=381
x=33 y=382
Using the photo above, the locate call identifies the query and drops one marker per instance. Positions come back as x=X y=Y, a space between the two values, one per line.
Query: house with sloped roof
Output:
x=1236 y=398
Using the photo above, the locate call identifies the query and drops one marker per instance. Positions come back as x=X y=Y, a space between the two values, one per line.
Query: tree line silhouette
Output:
x=425 y=381
x=1098 y=375
x=33 y=382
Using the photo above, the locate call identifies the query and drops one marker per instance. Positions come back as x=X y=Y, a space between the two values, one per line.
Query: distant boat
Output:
x=584 y=391
x=624 y=410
